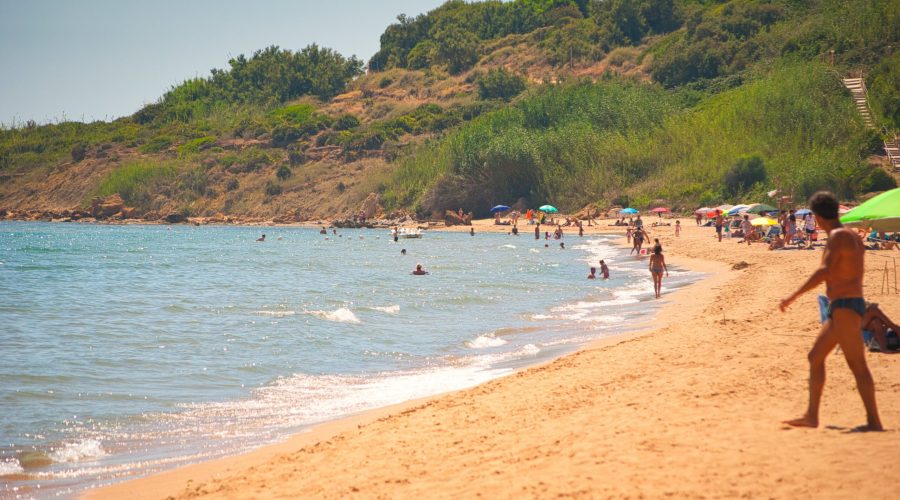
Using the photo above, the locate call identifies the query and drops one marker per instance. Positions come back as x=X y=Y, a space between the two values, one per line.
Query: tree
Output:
x=456 y=48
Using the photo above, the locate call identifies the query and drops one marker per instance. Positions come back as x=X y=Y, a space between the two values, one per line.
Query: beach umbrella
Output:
x=628 y=211
x=737 y=209
x=499 y=208
x=760 y=208
x=803 y=212
x=725 y=208
x=763 y=221
x=660 y=210
x=881 y=213
x=702 y=210
x=549 y=209
x=842 y=209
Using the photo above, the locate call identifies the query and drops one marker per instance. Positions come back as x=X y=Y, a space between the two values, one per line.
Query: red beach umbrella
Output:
x=660 y=210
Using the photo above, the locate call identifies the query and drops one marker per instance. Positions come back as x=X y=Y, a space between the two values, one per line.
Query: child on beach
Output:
x=657 y=266
x=677 y=228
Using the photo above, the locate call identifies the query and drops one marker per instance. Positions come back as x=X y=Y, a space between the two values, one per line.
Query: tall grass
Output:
x=138 y=182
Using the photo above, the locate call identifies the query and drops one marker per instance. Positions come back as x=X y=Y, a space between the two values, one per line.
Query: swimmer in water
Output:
x=593 y=274
x=403 y=252
x=604 y=270
x=261 y=238
x=419 y=271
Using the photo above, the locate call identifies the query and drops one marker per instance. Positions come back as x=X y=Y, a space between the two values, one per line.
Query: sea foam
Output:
x=394 y=309
x=341 y=315
x=9 y=467
x=277 y=314
x=484 y=341
x=85 y=449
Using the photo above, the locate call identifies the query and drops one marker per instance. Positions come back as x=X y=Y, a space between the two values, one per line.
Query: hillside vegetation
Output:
x=473 y=104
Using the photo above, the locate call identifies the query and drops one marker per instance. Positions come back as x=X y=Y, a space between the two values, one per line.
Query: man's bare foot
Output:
x=803 y=421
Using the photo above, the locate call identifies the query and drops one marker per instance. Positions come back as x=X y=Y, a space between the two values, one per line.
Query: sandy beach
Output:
x=689 y=407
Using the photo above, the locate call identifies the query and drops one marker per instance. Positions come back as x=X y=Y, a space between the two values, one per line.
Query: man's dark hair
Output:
x=824 y=204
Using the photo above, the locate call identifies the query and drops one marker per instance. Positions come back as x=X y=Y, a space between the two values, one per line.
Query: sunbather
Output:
x=879 y=324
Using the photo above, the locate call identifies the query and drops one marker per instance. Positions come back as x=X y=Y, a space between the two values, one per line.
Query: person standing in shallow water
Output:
x=657 y=266
x=842 y=271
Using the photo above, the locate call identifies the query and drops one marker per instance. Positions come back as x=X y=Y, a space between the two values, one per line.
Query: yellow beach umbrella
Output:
x=763 y=221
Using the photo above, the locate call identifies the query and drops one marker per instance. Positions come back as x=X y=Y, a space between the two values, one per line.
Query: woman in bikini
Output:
x=657 y=267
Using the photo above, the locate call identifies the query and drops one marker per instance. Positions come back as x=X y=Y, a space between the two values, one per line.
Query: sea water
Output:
x=127 y=350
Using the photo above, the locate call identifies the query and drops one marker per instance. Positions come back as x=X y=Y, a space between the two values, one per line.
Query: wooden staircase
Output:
x=892 y=147
x=857 y=87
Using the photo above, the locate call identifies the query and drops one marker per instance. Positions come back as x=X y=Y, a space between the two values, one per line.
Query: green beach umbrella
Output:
x=760 y=208
x=881 y=213
x=549 y=209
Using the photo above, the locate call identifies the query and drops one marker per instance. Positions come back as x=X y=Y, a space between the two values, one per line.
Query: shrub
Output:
x=156 y=144
x=232 y=184
x=384 y=82
x=500 y=84
x=196 y=145
x=346 y=122
x=877 y=180
x=296 y=158
x=195 y=180
x=744 y=174
x=273 y=188
x=79 y=151
x=283 y=135
x=341 y=187
x=283 y=172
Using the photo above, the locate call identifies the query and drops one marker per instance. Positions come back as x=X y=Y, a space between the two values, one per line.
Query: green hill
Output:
x=473 y=104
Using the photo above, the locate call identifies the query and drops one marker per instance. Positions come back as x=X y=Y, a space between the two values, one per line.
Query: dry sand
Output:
x=690 y=408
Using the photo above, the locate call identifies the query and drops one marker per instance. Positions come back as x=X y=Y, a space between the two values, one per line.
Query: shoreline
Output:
x=670 y=311
x=703 y=413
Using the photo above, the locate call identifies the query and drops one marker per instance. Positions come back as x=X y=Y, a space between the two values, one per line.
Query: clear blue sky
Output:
x=102 y=59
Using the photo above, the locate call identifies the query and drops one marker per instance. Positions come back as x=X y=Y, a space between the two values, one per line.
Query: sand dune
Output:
x=690 y=408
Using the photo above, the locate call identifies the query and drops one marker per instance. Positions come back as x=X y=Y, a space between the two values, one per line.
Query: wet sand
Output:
x=690 y=407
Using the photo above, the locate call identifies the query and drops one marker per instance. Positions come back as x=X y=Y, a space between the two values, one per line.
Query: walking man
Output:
x=842 y=271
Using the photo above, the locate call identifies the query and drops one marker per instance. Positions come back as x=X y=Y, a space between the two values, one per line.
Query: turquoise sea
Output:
x=126 y=350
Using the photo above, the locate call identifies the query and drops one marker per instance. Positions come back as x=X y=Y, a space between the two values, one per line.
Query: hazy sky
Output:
x=102 y=59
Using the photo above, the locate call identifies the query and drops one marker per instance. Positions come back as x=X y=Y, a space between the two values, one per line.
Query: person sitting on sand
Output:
x=593 y=274
x=748 y=230
x=880 y=325
x=777 y=242
x=419 y=271
x=657 y=266
x=261 y=238
x=604 y=270
x=842 y=271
